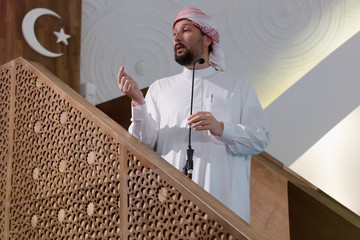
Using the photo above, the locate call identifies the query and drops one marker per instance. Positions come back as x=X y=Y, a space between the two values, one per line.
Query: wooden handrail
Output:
x=312 y=213
x=309 y=188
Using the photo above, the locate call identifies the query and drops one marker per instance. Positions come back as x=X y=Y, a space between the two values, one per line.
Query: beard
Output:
x=185 y=59
x=191 y=54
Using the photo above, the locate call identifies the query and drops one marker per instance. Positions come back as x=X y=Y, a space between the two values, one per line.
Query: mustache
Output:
x=179 y=45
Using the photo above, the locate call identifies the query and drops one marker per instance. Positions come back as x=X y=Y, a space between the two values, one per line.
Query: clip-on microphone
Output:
x=188 y=168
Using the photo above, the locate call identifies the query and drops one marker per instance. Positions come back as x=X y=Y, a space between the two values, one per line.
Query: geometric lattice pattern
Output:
x=66 y=180
x=156 y=210
x=75 y=177
x=5 y=86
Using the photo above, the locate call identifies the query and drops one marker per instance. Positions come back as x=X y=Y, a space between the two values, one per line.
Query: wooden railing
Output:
x=68 y=171
x=312 y=214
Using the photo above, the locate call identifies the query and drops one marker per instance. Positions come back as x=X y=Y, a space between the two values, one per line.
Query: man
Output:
x=229 y=121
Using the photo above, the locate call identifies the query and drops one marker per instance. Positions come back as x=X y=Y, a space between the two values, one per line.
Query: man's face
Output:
x=188 y=42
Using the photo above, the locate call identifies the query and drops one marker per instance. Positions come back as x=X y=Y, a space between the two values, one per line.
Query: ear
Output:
x=207 y=40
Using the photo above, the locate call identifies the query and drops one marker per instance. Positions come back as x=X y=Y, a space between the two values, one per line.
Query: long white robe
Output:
x=221 y=164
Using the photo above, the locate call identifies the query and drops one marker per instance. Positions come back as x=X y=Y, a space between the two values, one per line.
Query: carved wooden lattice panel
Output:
x=66 y=178
x=5 y=93
x=69 y=172
x=156 y=210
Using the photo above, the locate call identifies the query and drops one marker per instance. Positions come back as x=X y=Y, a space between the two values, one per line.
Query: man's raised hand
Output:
x=128 y=86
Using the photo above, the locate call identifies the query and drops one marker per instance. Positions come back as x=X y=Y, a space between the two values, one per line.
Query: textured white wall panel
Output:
x=273 y=43
x=127 y=33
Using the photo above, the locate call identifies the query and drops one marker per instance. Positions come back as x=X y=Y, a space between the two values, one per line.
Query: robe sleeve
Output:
x=251 y=134
x=144 y=121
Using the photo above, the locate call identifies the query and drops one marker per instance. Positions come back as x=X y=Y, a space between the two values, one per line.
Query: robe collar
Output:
x=199 y=73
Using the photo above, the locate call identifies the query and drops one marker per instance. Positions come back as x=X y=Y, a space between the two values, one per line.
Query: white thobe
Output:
x=221 y=164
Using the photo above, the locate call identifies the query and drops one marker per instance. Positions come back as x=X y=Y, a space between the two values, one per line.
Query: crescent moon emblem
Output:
x=28 y=29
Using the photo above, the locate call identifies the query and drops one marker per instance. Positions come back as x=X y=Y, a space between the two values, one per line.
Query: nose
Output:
x=177 y=37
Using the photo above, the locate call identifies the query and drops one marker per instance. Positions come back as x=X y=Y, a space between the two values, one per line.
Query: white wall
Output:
x=316 y=125
x=316 y=103
x=274 y=43
x=333 y=163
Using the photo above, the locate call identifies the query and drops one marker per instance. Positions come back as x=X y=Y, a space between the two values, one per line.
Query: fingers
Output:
x=125 y=85
x=199 y=116
x=128 y=86
x=200 y=126
x=121 y=73
x=125 y=81
x=200 y=120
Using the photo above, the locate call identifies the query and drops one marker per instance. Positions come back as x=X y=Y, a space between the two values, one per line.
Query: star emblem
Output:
x=62 y=36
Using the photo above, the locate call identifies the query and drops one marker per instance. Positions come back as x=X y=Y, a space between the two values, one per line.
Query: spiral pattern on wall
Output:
x=279 y=40
x=141 y=41
x=273 y=43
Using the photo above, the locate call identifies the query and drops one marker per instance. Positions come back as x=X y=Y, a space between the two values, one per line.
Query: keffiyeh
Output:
x=207 y=26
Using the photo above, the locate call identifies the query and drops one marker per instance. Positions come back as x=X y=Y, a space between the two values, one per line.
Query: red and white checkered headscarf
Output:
x=207 y=26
